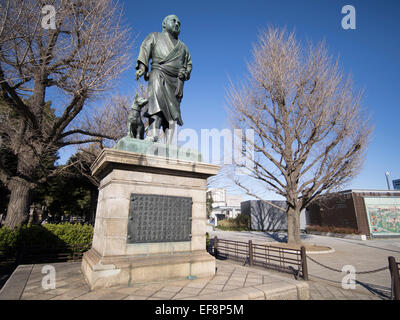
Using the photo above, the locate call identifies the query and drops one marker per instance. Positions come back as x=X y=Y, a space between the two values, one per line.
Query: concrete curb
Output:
x=15 y=285
x=271 y=291
x=321 y=252
x=339 y=235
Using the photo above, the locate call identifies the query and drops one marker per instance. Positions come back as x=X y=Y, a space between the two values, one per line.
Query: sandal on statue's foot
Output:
x=151 y=139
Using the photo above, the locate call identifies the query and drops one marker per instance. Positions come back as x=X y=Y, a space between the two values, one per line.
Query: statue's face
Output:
x=173 y=25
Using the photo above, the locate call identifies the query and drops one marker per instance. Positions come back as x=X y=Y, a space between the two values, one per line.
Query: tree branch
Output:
x=248 y=191
x=75 y=142
x=86 y=133
x=10 y=96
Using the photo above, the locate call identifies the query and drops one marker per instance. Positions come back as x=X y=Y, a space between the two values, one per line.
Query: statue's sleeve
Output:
x=145 y=51
x=188 y=65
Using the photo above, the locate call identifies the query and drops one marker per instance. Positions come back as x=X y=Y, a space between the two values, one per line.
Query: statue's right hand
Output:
x=139 y=73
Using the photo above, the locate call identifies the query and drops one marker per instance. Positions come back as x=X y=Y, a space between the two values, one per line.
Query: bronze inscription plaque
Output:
x=159 y=218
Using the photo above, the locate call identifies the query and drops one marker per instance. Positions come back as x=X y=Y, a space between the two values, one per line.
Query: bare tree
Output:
x=311 y=132
x=111 y=120
x=73 y=62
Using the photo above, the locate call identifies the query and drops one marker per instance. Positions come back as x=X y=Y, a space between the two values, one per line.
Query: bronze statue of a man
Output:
x=170 y=67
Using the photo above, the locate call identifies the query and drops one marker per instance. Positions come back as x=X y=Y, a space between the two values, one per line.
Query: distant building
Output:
x=370 y=212
x=396 y=184
x=224 y=206
x=265 y=217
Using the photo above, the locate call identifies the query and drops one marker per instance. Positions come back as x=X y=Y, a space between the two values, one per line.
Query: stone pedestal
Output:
x=112 y=260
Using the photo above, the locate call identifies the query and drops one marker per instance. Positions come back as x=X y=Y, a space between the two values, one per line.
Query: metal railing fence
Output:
x=270 y=257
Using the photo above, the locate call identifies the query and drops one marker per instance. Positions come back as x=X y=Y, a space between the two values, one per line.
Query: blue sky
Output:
x=220 y=34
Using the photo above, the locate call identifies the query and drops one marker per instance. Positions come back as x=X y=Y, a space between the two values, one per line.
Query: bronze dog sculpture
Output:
x=135 y=123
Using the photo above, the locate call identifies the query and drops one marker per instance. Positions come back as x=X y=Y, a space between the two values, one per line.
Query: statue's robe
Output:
x=166 y=61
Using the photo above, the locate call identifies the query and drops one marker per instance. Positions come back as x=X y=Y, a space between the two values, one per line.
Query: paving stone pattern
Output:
x=232 y=281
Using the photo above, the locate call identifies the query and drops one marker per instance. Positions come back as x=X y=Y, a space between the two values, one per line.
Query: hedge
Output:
x=49 y=235
x=332 y=229
x=72 y=234
x=240 y=223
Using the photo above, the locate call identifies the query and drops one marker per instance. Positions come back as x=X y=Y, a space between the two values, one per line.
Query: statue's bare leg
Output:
x=154 y=128
x=170 y=132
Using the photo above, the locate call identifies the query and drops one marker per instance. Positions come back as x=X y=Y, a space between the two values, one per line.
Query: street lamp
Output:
x=387 y=179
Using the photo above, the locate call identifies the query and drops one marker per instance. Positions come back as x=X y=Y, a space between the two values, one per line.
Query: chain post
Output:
x=394 y=272
x=304 y=267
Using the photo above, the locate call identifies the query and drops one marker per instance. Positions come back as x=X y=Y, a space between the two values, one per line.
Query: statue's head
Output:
x=172 y=25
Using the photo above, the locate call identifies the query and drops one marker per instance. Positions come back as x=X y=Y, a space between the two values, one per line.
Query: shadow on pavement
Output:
x=382 y=292
x=282 y=236
x=5 y=273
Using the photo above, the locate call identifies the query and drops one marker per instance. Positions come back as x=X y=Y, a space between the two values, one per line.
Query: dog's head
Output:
x=140 y=102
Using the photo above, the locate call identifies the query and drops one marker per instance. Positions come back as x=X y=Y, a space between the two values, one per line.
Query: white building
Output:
x=224 y=205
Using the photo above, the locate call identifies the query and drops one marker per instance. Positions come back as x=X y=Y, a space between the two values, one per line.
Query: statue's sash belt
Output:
x=172 y=73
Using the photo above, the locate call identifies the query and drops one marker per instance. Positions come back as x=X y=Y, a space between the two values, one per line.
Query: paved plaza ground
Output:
x=327 y=284
x=233 y=281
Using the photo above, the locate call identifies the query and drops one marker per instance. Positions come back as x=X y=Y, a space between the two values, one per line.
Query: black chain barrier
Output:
x=337 y=270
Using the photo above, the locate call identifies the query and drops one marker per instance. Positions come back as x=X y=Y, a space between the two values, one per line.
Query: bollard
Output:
x=394 y=273
x=250 y=253
x=304 y=262
x=215 y=244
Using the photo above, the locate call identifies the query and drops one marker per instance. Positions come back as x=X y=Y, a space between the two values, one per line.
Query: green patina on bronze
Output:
x=158 y=149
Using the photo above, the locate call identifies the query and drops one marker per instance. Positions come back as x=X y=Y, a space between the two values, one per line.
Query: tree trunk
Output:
x=19 y=201
x=293 y=232
x=94 y=193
